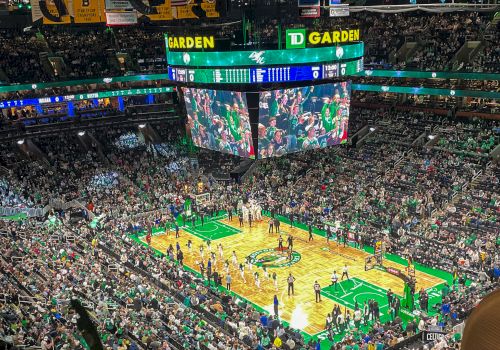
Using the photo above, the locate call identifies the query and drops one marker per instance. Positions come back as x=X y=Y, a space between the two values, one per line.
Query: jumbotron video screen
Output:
x=303 y=118
x=219 y=121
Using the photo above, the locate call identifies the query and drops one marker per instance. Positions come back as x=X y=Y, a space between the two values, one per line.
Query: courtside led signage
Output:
x=299 y=38
x=190 y=42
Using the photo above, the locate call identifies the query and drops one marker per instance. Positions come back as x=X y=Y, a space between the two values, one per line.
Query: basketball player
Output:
x=226 y=267
x=257 y=280
x=213 y=256
x=335 y=279
x=180 y=257
x=250 y=219
x=228 y=281
x=290 y=281
x=328 y=234
x=201 y=252
x=271 y=224
x=317 y=291
x=176 y=231
x=221 y=251
x=202 y=269
x=275 y=281
x=289 y=253
x=277 y=225
x=240 y=218
x=345 y=272
x=266 y=274
x=290 y=242
x=209 y=245
x=189 y=245
x=310 y=233
x=235 y=259
x=249 y=263
x=242 y=273
x=229 y=213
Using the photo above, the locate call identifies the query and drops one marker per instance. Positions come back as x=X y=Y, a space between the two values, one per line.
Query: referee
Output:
x=317 y=291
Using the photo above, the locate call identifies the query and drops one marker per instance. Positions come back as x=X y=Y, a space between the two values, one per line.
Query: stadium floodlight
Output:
x=372 y=129
x=20 y=142
x=431 y=137
x=142 y=126
x=81 y=133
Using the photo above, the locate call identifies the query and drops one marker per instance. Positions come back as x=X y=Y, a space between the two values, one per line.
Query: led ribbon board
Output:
x=311 y=56
x=84 y=96
x=277 y=74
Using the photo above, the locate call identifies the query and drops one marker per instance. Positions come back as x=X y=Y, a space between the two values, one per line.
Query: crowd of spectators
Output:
x=90 y=53
x=416 y=199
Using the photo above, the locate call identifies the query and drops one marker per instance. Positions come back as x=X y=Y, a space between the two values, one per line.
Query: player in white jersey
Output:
x=242 y=273
x=345 y=272
x=221 y=252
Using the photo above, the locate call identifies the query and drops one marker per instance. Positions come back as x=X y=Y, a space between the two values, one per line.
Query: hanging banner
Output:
x=310 y=12
x=47 y=10
x=164 y=13
x=183 y=12
x=87 y=11
x=121 y=18
x=118 y=5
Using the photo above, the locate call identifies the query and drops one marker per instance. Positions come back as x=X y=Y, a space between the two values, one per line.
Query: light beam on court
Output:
x=299 y=319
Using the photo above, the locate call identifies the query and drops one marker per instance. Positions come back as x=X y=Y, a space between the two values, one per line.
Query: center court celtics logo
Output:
x=272 y=258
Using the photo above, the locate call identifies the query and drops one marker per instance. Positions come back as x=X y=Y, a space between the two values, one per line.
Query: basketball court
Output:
x=310 y=262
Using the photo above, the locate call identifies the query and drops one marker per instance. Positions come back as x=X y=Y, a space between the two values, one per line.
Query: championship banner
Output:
x=183 y=12
x=165 y=12
x=87 y=11
x=47 y=10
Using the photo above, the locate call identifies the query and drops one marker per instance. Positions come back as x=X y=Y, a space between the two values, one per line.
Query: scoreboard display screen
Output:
x=264 y=74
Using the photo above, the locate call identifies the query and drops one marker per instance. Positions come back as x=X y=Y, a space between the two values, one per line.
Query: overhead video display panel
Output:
x=219 y=120
x=304 y=118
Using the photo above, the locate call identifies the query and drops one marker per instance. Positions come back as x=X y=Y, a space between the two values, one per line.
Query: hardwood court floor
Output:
x=317 y=262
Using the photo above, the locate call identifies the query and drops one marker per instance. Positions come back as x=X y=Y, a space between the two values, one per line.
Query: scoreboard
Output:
x=263 y=74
